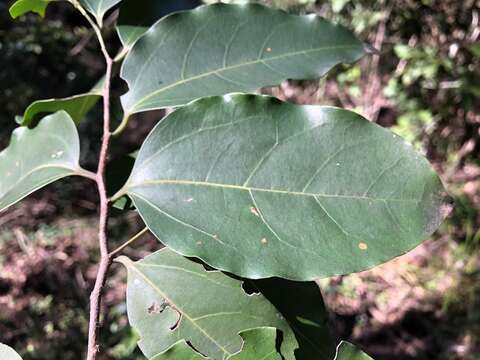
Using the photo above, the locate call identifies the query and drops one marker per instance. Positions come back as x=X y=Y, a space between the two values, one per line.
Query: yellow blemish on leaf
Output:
x=363 y=246
x=269 y=49
x=199 y=243
x=264 y=241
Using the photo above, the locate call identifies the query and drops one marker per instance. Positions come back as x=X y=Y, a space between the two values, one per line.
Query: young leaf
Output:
x=37 y=157
x=217 y=49
x=258 y=343
x=305 y=312
x=7 y=353
x=21 y=7
x=76 y=106
x=275 y=189
x=98 y=8
x=136 y=16
x=170 y=298
x=347 y=351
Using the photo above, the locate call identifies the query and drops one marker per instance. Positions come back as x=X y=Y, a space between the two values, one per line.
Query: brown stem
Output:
x=105 y=259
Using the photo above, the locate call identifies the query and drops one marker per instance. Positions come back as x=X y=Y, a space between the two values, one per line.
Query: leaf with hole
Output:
x=7 y=353
x=347 y=351
x=261 y=188
x=76 y=106
x=21 y=7
x=305 y=312
x=137 y=16
x=170 y=298
x=218 y=49
x=39 y=156
x=259 y=343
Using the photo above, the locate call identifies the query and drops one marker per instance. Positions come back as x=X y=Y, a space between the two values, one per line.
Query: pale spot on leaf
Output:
x=188 y=200
x=362 y=246
x=254 y=211
x=269 y=49
x=264 y=241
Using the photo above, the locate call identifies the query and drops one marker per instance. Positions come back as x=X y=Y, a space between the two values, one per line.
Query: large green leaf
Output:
x=136 y=16
x=261 y=188
x=76 y=106
x=170 y=298
x=98 y=8
x=21 y=7
x=305 y=312
x=7 y=353
x=347 y=351
x=258 y=344
x=39 y=156
x=221 y=48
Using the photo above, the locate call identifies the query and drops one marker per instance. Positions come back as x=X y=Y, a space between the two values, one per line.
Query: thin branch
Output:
x=105 y=259
x=129 y=242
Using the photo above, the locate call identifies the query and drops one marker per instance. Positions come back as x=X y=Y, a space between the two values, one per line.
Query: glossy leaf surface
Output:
x=301 y=304
x=7 y=353
x=347 y=351
x=98 y=8
x=136 y=16
x=258 y=343
x=218 y=49
x=21 y=7
x=261 y=188
x=37 y=157
x=76 y=106
x=170 y=298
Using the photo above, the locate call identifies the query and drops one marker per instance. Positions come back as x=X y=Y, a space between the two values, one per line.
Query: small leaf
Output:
x=258 y=343
x=7 y=353
x=21 y=7
x=305 y=312
x=347 y=351
x=76 y=106
x=98 y=8
x=37 y=157
x=136 y=16
x=219 y=48
x=170 y=298
x=275 y=189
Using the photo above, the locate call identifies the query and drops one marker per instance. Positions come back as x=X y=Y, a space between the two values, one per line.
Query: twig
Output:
x=127 y=243
x=105 y=259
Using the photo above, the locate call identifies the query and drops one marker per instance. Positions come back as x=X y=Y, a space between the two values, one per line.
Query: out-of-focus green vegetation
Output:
x=424 y=85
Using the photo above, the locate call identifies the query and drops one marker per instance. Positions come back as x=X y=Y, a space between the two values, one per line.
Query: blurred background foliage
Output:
x=424 y=84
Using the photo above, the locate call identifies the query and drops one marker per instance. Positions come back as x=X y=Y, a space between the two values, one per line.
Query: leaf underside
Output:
x=347 y=351
x=98 y=8
x=261 y=188
x=170 y=298
x=220 y=48
x=7 y=353
x=37 y=157
x=258 y=343
x=76 y=106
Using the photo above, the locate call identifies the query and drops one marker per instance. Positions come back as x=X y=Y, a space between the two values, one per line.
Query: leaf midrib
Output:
x=137 y=105
x=183 y=313
x=245 y=188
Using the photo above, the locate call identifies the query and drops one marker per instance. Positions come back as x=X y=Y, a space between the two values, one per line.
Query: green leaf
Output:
x=21 y=7
x=305 y=312
x=261 y=188
x=347 y=351
x=136 y=16
x=170 y=298
x=37 y=157
x=76 y=106
x=98 y=8
x=7 y=353
x=221 y=48
x=258 y=343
